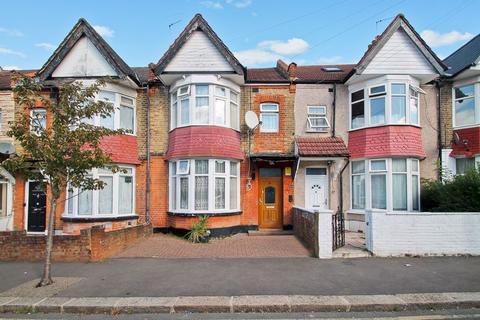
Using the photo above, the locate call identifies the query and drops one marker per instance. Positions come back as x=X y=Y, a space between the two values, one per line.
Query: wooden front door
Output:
x=270 y=198
x=37 y=207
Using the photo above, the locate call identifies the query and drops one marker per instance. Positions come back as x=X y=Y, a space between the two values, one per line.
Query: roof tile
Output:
x=321 y=147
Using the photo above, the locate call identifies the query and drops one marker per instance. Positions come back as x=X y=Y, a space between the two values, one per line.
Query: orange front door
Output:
x=270 y=198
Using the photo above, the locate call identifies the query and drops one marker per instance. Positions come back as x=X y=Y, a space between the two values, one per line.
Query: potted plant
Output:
x=199 y=232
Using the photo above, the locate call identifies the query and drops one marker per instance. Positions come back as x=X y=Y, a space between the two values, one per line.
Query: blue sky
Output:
x=257 y=31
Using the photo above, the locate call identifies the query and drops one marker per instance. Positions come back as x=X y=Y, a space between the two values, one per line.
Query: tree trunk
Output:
x=47 y=278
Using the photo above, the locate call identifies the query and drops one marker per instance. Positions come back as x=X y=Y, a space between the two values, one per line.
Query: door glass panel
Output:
x=316 y=171
x=270 y=195
x=270 y=172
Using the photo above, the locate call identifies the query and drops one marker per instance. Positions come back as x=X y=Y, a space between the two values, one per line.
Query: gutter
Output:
x=147 y=173
x=334 y=108
x=340 y=194
x=439 y=134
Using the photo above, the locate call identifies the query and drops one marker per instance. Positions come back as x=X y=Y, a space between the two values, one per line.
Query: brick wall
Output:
x=90 y=245
x=305 y=228
x=424 y=233
x=446 y=114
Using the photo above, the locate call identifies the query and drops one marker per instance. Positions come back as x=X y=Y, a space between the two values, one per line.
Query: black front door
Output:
x=37 y=207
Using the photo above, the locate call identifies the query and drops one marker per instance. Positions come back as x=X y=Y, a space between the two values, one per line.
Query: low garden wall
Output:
x=423 y=233
x=94 y=244
x=314 y=229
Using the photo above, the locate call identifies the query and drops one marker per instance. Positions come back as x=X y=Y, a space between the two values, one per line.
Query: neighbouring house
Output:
x=460 y=109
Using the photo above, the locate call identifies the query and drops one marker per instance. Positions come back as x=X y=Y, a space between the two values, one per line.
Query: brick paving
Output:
x=238 y=246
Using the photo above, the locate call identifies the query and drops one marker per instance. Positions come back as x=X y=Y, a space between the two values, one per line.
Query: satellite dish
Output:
x=456 y=138
x=6 y=148
x=251 y=120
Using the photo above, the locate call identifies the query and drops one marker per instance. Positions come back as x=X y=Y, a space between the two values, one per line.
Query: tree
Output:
x=62 y=151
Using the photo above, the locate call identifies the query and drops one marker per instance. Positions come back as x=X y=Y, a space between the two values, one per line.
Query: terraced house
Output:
x=344 y=139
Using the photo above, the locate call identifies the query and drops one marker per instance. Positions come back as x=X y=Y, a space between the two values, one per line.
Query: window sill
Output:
x=386 y=125
x=476 y=125
x=210 y=214
x=86 y=219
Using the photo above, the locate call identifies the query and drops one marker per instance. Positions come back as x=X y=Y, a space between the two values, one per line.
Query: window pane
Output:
x=105 y=196
x=107 y=122
x=219 y=111
x=219 y=193
x=465 y=111
x=269 y=195
x=379 y=191
x=201 y=193
x=317 y=122
x=201 y=110
x=85 y=202
x=201 y=166
x=399 y=165
x=173 y=187
x=358 y=192
x=464 y=164
x=70 y=200
x=465 y=91
x=184 y=193
x=234 y=96
x=414 y=110
x=270 y=172
x=376 y=90
x=316 y=171
x=183 y=167
x=269 y=107
x=398 y=88
x=414 y=165
x=415 y=193
x=125 y=195
x=126 y=118
x=174 y=115
x=185 y=111
x=39 y=119
x=357 y=95
x=234 y=116
x=399 y=185
x=127 y=101
x=358 y=167
x=233 y=193
x=183 y=90
x=201 y=90
x=269 y=122
x=219 y=166
x=398 y=109
x=233 y=168
x=220 y=91
x=106 y=96
x=358 y=115
x=377 y=165
x=377 y=111
x=317 y=110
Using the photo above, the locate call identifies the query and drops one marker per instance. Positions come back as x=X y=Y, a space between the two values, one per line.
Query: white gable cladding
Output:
x=399 y=56
x=84 y=60
x=198 y=54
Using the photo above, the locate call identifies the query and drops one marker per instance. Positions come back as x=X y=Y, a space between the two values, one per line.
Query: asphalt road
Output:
x=287 y=276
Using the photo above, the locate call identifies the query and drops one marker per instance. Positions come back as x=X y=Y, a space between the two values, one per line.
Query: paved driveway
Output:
x=238 y=246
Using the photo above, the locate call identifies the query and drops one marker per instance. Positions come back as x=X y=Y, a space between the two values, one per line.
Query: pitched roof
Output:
x=304 y=74
x=7 y=75
x=83 y=28
x=198 y=23
x=265 y=75
x=465 y=56
x=400 y=22
x=321 y=147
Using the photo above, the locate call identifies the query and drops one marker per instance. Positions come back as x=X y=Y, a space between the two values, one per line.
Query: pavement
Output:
x=244 y=285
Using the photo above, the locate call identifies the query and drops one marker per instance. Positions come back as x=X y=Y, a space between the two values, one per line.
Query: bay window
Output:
x=389 y=184
x=391 y=102
x=214 y=183
x=204 y=104
x=117 y=198
x=464 y=105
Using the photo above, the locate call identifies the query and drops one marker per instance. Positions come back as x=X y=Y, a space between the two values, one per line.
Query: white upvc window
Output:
x=269 y=117
x=391 y=184
x=466 y=105
x=117 y=198
x=38 y=120
x=464 y=164
x=317 y=118
x=204 y=104
x=210 y=186
x=123 y=115
x=389 y=102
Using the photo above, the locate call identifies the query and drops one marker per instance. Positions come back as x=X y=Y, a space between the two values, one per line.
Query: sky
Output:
x=258 y=32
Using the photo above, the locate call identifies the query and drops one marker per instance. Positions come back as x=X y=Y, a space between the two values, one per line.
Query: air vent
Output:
x=332 y=69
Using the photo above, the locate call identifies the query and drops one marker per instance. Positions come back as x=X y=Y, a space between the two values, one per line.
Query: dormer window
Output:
x=317 y=118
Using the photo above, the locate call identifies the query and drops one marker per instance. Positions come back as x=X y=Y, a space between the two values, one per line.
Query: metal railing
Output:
x=338 y=230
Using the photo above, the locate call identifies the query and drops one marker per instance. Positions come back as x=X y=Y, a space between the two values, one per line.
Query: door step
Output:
x=270 y=232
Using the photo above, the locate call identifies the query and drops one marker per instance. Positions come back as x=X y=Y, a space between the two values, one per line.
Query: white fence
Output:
x=424 y=233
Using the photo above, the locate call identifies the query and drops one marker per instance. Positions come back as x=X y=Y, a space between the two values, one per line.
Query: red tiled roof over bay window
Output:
x=321 y=147
x=121 y=148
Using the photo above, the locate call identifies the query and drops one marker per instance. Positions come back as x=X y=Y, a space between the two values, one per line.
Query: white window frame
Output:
x=351 y=103
x=174 y=204
x=275 y=112
x=364 y=174
x=476 y=100
x=34 y=111
x=317 y=115
x=187 y=168
x=95 y=173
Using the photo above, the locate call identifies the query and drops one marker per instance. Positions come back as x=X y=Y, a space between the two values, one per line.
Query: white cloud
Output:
x=45 y=45
x=435 y=39
x=104 y=31
x=11 y=32
x=10 y=68
x=240 y=4
x=291 y=46
x=330 y=60
x=212 y=4
x=12 y=52
x=256 y=56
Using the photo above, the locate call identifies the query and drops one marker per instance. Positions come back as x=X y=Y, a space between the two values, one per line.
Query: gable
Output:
x=84 y=60
x=399 y=55
x=198 y=54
